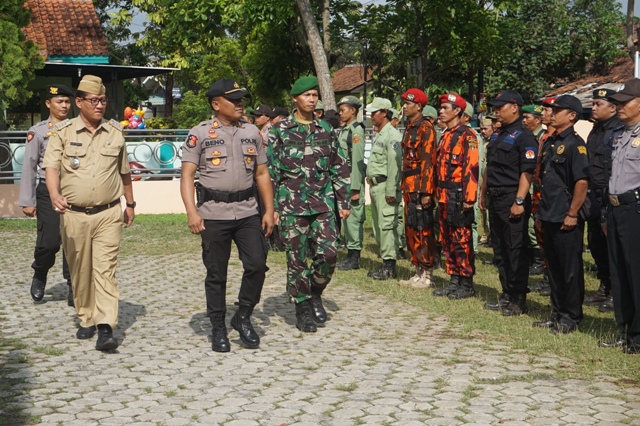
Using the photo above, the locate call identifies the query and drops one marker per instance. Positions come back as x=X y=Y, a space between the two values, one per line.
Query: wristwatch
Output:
x=132 y=205
x=519 y=201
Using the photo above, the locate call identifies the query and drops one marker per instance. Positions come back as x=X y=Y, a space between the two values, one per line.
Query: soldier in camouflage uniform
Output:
x=351 y=138
x=383 y=177
x=311 y=176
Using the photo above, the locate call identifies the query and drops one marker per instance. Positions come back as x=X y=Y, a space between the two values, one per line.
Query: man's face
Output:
x=347 y=113
x=378 y=117
x=411 y=109
x=486 y=130
x=92 y=112
x=448 y=112
x=629 y=111
x=602 y=110
x=545 y=117
x=530 y=121
x=228 y=109
x=58 y=107
x=506 y=113
x=561 y=118
x=261 y=120
x=306 y=102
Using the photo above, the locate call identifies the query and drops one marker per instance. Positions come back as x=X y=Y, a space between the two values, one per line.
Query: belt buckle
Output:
x=369 y=181
x=613 y=199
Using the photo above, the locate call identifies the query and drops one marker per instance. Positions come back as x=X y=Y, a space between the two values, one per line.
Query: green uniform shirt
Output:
x=385 y=158
x=355 y=147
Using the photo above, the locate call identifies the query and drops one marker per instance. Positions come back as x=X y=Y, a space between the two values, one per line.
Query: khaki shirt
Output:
x=102 y=158
x=34 y=150
x=226 y=157
x=386 y=159
x=625 y=161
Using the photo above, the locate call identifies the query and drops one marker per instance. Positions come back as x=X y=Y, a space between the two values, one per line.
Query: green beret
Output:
x=532 y=109
x=303 y=84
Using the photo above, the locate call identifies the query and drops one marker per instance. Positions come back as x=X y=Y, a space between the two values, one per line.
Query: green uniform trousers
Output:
x=353 y=226
x=385 y=222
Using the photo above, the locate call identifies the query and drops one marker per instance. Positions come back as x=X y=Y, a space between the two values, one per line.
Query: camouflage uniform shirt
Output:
x=308 y=168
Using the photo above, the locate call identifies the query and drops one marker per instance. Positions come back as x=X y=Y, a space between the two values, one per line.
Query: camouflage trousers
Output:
x=307 y=238
x=457 y=246
x=420 y=242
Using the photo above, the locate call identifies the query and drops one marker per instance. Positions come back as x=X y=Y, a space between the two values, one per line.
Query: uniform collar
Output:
x=81 y=126
x=385 y=128
x=566 y=132
x=513 y=125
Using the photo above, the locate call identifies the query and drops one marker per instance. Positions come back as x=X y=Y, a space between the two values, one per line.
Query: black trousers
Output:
x=623 y=239
x=598 y=245
x=216 y=249
x=510 y=241
x=563 y=254
x=48 y=241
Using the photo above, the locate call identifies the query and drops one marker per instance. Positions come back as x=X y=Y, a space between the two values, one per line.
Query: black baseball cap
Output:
x=279 y=111
x=507 y=97
x=54 y=90
x=567 y=102
x=262 y=110
x=629 y=90
x=227 y=88
x=603 y=94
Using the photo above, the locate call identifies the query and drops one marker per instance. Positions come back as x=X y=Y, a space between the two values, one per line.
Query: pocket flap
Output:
x=249 y=150
x=109 y=151
x=75 y=150
x=217 y=152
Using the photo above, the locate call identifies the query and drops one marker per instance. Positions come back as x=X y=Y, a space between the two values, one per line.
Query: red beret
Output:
x=415 y=95
x=549 y=101
x=453 y=99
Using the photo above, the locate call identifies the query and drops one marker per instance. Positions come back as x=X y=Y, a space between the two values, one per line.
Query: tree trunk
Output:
x=168 y=96
x=317 y=53
x=326 y=19
x=630 y=43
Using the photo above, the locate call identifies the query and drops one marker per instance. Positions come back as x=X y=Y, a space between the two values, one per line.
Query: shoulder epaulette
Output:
x=61 y=125
x=115 y=124
x=358 y=124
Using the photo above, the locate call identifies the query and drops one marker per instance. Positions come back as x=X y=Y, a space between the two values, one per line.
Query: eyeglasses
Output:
x=96 y=101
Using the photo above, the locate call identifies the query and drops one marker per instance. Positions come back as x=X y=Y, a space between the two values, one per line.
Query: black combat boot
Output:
x=544 y=286
x=219 y=339
x=454 y=283
x=304 y=317
x=351 y=262
x=386 y=271
x=241 y=322
x=600 y=295
x=106 y=341
x=38 y=284
x=607 y=305
x=464 y=290
x=501 y=303
x=70 y=294
x=517 y=305
x=537 y=264
x=317 y=309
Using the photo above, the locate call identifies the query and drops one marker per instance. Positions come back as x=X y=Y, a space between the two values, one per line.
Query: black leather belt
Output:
x=449 y=185
x=626 y=198
x=497 y=191
x=96 y=209
x=207 y=194
x=410 y=172
x=373 y=181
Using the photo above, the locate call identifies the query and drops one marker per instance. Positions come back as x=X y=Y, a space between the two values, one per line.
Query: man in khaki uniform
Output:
x=87 y=172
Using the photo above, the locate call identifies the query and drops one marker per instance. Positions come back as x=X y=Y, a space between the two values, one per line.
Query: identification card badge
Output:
x=75 y=163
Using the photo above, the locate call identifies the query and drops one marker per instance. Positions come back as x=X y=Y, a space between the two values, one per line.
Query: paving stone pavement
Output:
x=376 y=362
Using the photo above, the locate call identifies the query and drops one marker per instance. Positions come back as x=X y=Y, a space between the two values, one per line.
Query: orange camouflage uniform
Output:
x=418 y=174
x=457 y=170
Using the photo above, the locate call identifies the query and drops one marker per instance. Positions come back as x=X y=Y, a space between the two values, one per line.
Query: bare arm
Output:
x=187 y=191
x=265 y=189
x=579 y=194
x=129 y=213
x=523 y=190
x=58 y=202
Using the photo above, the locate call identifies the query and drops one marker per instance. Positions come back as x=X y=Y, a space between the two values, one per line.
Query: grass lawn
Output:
x=167 y=234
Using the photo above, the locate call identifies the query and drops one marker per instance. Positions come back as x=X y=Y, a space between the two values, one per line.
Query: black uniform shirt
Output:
x=512 y=150
x=599 y=146
x=564 y=161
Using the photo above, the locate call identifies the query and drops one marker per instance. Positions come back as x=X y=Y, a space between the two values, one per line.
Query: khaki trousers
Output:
x=91 y=244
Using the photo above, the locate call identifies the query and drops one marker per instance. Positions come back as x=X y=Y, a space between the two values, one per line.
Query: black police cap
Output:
x=604 y=94
x=54 y=90
x=227 y=88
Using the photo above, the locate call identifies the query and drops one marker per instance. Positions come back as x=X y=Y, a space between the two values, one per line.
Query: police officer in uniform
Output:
x=232 y=164
x=605 y=114
x=511 y=159
x=87 y=171
x=623 y=219
x=34 y=199
x=383 y=177
x=310 y=172
x=565 y=175
x=351 y=138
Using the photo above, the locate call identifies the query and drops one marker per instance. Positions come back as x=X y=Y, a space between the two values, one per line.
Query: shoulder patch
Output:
x=356 y=138
x=192 y=140
x=560 y=149
x=61 y=125
x=30 y=136
x=115 y=124
x=582 y=150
